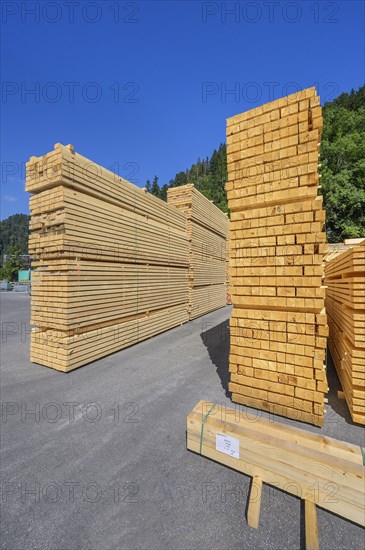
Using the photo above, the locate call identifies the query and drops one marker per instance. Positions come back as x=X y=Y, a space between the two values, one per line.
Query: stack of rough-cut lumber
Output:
x=318 y=469
x=345 y=306
x=207 y=228
x=229 y=299
x=278 y=327
x=111 y=261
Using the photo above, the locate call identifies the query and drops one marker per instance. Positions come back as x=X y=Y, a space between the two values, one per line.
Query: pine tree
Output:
x=163 y=193
x=155 y=189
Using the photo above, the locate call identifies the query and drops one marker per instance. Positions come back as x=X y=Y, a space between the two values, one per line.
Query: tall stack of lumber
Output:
x=207 y=228
x=111 y=261
x=277 y=245
x=345 y=306
x=229 y=300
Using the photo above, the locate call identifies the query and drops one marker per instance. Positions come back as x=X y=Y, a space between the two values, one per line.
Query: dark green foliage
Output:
x=352 y=101
x=209 y=177
x=14 y=262
x=14 y=233
x=163 y=192
x=343 y=166
x=155 y=189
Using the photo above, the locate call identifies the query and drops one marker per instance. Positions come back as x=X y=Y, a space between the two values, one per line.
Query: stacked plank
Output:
x=278 y=327
x=207 y=228
x=316 y=468
x=229 y=299
x=111 y=261
x=345 y=306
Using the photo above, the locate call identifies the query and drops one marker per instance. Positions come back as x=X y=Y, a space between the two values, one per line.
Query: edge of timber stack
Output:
x=345 y=306
x=277 y=245
x=111 y=261
x=207 y=228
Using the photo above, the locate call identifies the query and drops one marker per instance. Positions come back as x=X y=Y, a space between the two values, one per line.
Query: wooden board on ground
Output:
x=320 y=470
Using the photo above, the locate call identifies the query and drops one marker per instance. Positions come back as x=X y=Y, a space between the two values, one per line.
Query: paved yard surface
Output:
x=97 y=459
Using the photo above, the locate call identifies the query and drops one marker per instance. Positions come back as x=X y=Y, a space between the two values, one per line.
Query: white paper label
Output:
x=228 y=445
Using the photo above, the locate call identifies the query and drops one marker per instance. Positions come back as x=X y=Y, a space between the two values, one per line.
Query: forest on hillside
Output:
x=14 y=234
x=343 y=166
x=342 y=169
x=342 y=181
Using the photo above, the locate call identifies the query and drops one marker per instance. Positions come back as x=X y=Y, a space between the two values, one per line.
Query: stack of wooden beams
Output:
x=229 y=299
x=278 y=327
x=111 y=261
x=345 y=306
x=318 y=469
x=207 y=228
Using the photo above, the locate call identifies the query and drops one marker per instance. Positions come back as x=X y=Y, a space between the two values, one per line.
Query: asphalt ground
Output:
x=97 y=459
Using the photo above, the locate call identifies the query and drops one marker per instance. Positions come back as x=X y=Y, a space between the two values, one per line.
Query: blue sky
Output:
x=145 y=87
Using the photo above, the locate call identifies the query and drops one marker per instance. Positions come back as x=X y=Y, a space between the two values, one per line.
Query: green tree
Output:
x=163 y=192
x=155 y=189
x=209 y=177
x=14 y=233
x=148 y=186
x=14 y=262
x=343 y=166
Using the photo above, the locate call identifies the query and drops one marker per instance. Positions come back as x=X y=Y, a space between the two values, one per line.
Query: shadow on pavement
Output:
x=338 y=405
x=216 y=340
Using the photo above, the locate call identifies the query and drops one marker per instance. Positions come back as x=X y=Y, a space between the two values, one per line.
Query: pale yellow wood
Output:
x=254 y=503
x=207 y=229
x=276 y=250
x=114 y=264
x=322 y=470
x=311 y=526
x=345 y=304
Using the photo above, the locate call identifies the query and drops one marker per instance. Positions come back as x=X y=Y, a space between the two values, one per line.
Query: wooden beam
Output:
x=320 y=469
x=254 y=504
x=311 y=526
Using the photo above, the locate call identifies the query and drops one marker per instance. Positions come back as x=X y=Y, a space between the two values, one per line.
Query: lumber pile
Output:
x=111 y=261
x=207 y=228
x=318 y=469
x=229 y=299
x=345 y=306
x=278 y=326
x=334 y=249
